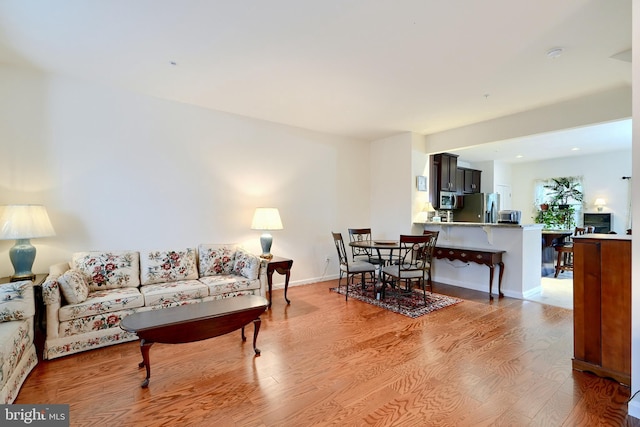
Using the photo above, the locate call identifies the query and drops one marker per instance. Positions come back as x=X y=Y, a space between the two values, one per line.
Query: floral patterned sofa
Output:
x=87 y=297
x=17 y=350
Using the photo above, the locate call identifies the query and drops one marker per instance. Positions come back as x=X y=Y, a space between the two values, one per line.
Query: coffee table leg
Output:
x=244 y=338
x=256 y=329
x=144 y=349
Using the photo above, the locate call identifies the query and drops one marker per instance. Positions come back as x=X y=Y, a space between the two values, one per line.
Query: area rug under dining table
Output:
x=408 y=305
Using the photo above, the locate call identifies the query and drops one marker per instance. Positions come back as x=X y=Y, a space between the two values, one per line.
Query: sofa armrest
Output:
x=262 y=275
x=16 y=301
x=52 y=298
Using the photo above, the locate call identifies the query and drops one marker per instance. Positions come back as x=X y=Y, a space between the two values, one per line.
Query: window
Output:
x=559 y=202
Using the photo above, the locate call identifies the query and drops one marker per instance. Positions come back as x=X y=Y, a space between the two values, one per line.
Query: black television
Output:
x=601 y=221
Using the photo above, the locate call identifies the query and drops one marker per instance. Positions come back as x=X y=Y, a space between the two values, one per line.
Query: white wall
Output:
x=634 y=405
x=118 y=170
x=392 y=186
x=602 y=178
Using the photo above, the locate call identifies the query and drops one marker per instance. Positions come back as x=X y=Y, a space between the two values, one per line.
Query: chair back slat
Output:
x=416 y=252
x=359 y=235
x=342 y=253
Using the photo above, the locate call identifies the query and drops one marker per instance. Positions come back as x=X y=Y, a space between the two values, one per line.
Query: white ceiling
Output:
x=361 y=68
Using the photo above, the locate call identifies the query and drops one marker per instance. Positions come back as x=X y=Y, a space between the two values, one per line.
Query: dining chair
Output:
x=564 y=251
x=352 y=268
x=414 y=266
x=363 y=254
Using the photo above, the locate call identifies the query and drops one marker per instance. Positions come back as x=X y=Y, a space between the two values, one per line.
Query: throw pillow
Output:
x=16 y=301
x=168 y=266
x=74 y=285
x=216 y=259
x=108 y=270
x=246 y=264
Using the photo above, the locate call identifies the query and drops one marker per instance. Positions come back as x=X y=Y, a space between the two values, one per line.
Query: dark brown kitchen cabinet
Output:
x=602 y=305
x=447 y=169
x=471 y=181
x=460 y=181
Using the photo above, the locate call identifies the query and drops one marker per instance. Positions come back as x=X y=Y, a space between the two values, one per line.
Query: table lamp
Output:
x=24 y=222
x=266 y=219
x=600 y=204
x=426 y=214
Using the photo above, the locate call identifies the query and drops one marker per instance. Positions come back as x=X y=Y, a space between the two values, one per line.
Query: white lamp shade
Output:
x=266 y=219
x=24 y=222
x=600 y=202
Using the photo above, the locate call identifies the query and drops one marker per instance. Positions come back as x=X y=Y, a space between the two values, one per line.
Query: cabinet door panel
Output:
x=616 y=307
x=586 y=302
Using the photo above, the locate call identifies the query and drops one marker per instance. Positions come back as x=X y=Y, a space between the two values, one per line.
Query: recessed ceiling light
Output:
x=519 y=156
x=575 y=149
x=555 y=52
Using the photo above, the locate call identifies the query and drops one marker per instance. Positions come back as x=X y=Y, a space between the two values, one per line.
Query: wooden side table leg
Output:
x=270 y=283
x=491 y=269
x=286 y=285
x=256 y=329
x=145 y=346
x=501 y=264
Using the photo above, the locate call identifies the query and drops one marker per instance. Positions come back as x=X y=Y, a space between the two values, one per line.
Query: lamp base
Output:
x=265 y=241
x=22 y=255
x=20 y=278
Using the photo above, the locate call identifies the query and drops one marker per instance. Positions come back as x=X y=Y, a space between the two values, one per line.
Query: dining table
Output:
x=554 y=237
x=378 y=246
x=550 y=239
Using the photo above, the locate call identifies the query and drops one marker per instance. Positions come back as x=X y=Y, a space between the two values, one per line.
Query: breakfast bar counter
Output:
x=521 y=256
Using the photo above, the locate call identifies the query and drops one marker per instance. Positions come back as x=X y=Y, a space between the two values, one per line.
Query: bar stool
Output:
x=564 y=251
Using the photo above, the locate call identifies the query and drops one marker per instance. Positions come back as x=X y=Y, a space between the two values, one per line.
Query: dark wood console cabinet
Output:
x=602 y=305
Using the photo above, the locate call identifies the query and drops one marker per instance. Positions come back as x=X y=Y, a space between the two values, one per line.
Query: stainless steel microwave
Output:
x=448 y=200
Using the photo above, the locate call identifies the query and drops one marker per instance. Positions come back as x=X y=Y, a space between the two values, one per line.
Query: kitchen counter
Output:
x=481 y=224
x=522 y=258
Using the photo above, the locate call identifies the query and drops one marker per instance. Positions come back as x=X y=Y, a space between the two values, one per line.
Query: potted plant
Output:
x=555 y=218
x=564 y=190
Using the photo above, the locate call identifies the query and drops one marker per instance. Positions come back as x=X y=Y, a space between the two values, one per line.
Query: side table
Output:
x=37 y=292
x=282 y=266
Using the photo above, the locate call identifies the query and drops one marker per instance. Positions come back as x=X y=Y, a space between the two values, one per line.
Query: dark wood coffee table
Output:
x=194 y=322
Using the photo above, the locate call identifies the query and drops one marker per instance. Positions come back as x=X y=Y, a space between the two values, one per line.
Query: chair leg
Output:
x=346 y=292
x=558 y=262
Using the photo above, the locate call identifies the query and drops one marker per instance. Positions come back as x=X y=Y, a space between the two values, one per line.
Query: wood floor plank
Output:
x=327 y=361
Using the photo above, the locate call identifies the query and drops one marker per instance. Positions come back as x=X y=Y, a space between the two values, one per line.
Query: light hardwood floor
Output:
x=325 y=361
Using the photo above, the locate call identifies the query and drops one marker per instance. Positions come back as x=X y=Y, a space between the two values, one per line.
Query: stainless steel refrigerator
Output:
x=478 y=207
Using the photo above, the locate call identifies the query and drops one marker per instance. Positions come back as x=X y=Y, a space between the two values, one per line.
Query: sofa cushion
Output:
x=15 y=339
x=92 y=323
x=166 y=293
x=103 y=301
x=226 y=283
x=246 y=264
x=16 y=301
x=74 y=285
x=168 y=266
x=108 y=270
x=216 y=259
